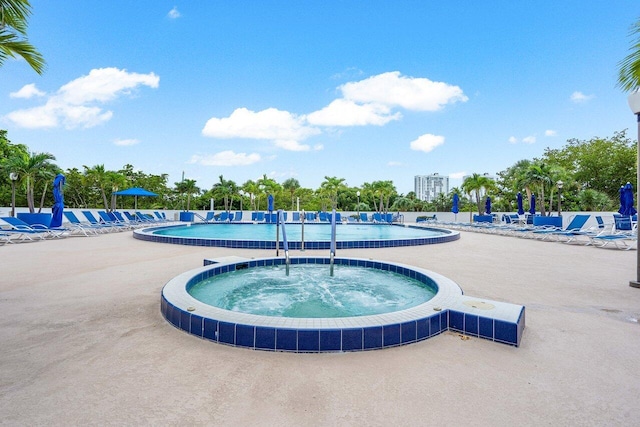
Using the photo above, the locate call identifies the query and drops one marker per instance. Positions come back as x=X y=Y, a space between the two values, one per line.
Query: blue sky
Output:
x=364 y=91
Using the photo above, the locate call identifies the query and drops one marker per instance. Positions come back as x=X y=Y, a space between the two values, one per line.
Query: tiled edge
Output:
x=505 y=328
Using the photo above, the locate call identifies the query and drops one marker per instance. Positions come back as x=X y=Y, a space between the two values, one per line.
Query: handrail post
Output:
x=332 y=250
x=285 y=242
x=302 y=231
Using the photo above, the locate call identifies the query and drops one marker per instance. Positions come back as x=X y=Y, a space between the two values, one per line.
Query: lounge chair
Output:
x=93 y=220
x=237 y=217
x=574 y=226
x=27 y=232
x=85 y=227
x=310 y=216
x=113 y=221
x=363 y=217
x=623 y=234
x=295 y=217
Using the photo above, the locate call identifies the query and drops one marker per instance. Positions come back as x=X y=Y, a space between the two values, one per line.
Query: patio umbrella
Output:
x=629 y=210
x=532 y=205
x=520 y=207
x=136 y=191
x=270 y=203
x=487 y=205
x=622 y=204
x=58 y=201
x=455 y=209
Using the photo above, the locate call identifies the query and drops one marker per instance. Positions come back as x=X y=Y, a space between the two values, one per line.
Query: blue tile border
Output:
x=331 y=337
x=147 y=234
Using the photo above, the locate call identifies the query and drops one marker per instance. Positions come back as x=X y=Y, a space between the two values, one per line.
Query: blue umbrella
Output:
x=58 y=201
x=520 y=207
x=532 y=205
x=270 y=203
x=135 y=191
x=622 y=204
x=455 y=209
x=487 y=206
x=630 y=209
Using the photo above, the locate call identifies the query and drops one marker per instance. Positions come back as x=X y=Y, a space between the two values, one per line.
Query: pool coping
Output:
x=449 y=309
x=147 y=234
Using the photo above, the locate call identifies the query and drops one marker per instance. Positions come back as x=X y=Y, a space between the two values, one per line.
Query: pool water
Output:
x=312 y=232
x=310 y=292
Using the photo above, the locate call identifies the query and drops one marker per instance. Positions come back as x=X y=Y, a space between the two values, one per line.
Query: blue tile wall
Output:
x=308 y=340
x=210 y=331
x=352 y=339
x=391 y=335
x=485 y=328
x=373 y=337
x=227 y=333
x=330 y=340
x=408 y=332
x=456 y=320
x=286 y=339
x=471 y=324
x=245 y=335
x=265 y=338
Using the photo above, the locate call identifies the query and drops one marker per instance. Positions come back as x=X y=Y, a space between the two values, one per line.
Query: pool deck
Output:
x=83 y=343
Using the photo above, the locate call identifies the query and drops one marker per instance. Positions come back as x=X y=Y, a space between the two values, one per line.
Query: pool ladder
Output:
x=332 y=248
x=285 y=243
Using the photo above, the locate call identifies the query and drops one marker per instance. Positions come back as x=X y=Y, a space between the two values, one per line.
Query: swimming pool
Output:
x=449 y=309
x=316 y=236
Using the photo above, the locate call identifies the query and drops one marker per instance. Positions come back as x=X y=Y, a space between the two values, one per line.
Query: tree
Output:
x=629 y=71
x=330 y=187
x=291 y=185
x=539 y=175
x=478 y=185
x=187 y=187
x=98 y=177
x=31 y=168
x=13 y=32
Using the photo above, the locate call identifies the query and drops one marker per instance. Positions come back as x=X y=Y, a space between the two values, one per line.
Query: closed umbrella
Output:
x=487 y=205
x=630 y=209
x=58 y=201
x=520 y=207
x=270 y=203
x=532 y=205
x=455 y=209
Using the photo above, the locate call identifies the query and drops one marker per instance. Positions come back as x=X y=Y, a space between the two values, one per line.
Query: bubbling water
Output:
x=310 y=292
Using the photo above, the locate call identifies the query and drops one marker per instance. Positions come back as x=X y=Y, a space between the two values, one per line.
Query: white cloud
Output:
x=579 y=97
x=427 y=142
x=173 y=13
x=529 y=139
x=550 y=132
x=72 y=103
x=27 y=91
x=318 y=147
x=392 y=89
x=286 y=130
x=513 y=140
x=458 y=175
x=226 y=158
x=126 y=142
x=343 y=112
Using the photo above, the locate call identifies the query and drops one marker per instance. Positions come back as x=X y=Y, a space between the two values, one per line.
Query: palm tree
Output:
x=251 y=188
x=291 y=185
x=478 y=185
x=188 y=187
x=98 y=177
x=13 y=32
x=331 y=186
x=30 y=167
x=629 y=72
x=539 y=175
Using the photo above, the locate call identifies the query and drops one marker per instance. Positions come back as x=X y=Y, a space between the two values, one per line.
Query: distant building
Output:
x=427 y=187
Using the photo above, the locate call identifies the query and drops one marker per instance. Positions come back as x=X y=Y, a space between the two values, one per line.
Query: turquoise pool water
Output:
x=312 y=232
x=310 y=292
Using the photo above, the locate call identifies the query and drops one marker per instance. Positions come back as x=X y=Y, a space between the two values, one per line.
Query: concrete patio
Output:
x=83 y=343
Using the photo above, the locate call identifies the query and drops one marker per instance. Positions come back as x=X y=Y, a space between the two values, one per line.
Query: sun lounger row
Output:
x=620 y=233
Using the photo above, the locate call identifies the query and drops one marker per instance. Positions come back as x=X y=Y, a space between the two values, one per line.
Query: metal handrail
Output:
x=285 y=243
x=332 y=250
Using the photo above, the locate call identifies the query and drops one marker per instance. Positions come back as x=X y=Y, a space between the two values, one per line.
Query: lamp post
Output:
x=13 y=177
x=560 y=184
x=358 y=205
x=634 y=104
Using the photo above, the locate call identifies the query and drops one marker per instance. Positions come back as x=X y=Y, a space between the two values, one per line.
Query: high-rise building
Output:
x=427 y=187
